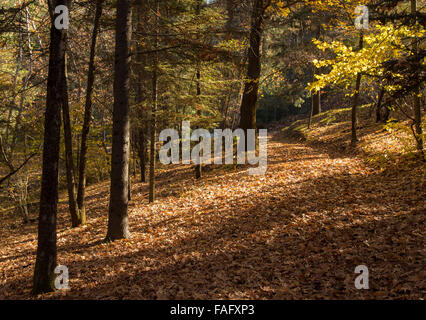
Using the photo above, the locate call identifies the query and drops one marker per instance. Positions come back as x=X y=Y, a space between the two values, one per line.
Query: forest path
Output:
x=297 y=232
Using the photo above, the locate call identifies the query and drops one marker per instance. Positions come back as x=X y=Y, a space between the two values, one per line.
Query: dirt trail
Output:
x=296 y=233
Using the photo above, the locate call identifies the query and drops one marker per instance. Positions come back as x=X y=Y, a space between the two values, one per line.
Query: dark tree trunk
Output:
x=153 y=130
x=69 y=160
x=316 y=97
x=316 y=103
x=198 y=167
x=230 y=9
x=153 y=123
x=417 y=104
x=311 y=112
x=379 y=105
x=142 y=153
x=140 y=94
x=45 y=265
x=117 y=220
x=354 y=138
x=87 y=116
x=249 y=101
x=134 y=153
x=129 y=186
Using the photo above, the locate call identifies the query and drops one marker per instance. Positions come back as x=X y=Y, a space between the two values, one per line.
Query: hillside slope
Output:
x=296 y=233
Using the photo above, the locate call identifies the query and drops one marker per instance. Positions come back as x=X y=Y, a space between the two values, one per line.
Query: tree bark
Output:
x=251 y=86
x=69 y=161
x=230 y=9
x=142 y=153
x=311 y=112
x=354 y=138
x=316 y=97
x=153 y=115
x=198 y=167
x=316 y=103
x=117 y=219
x=417 y=104
x=153 y=138
x=87 y=115
x=140 y=94
x=379 y=105
x=45 y=265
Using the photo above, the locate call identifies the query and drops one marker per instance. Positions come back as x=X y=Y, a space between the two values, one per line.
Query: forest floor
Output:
x=298 y=232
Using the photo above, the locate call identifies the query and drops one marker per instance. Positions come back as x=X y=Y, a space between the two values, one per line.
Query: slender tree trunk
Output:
x=69 y=160
x=87 y=115
x=379 y=105
x=134 y=148
x=153 y=115
x=198 y=167
x=311 y=112
x=354 y=138
x=43 y=280
x=153 y=138
x=249 y=101
x=142 y=152
x=140 y=93
x=153 y=130
x=230 y=9
x=417 y=104
x=129 y=187
x=316 y=103
x=117 y=219
x=316 y=97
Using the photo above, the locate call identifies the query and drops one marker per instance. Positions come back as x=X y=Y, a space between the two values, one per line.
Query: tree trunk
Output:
x=198 y=167
x=354 y=138
x=69 y=160
x=379 y=105
x=153 y=138
x=311 y=112
x=249 y=101
x=153 y=115
x=417 y=104
x=230 y=9
x=140 y=93
x=45 y=265
x=87 y=116
x=142 y=153
x=129 y=186
x=117 y=219
x=316 y=97
x=316 y=103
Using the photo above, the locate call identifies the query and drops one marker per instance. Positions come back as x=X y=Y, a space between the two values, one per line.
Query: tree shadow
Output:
x=303 y=244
